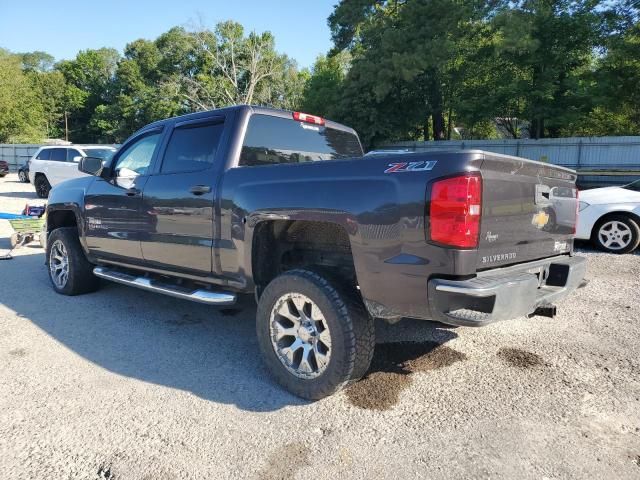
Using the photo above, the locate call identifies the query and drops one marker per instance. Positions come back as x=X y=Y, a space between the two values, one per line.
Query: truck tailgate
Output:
x=529 y=211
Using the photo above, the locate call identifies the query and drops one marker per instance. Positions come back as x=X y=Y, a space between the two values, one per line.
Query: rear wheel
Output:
x=616 y=234
x=69 y=270
x=22 y=176
x=43 y=187
x=314 y=337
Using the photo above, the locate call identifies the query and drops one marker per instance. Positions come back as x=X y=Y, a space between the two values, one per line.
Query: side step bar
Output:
x=201 y=295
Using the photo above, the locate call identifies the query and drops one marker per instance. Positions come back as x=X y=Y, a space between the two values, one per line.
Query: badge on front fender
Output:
x=411 y=166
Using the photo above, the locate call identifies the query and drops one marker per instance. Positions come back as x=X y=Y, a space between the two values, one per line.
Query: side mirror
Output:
x=90 y=165
x=77 y=159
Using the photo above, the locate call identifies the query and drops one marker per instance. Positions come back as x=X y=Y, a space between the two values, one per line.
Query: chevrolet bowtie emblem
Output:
x=540 y=219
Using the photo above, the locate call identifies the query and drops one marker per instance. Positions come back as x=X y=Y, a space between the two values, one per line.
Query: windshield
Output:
x=103 y=153
x=635 y=186
x=272 y=140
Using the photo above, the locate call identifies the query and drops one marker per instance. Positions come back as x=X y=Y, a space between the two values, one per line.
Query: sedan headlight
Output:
x=582 y=206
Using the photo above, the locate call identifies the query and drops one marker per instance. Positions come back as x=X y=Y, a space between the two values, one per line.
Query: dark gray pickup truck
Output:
x=283 y=205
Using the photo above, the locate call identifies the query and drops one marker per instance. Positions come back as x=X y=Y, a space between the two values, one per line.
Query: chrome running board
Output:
x=145 y=283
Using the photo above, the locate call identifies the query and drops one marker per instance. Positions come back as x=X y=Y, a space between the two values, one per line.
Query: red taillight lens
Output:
x=456 y=206
x=305 y=117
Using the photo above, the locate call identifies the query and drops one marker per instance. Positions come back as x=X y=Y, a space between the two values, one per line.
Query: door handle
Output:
x=200 y=189
x=132 y=192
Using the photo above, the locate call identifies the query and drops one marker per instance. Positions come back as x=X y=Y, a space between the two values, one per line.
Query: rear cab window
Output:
x=192 y=147
x=272 y=140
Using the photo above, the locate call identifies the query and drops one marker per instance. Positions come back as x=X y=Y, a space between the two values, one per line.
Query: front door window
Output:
x=135 y=160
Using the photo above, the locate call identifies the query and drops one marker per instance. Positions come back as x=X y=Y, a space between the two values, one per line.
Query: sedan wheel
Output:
x=617 y=234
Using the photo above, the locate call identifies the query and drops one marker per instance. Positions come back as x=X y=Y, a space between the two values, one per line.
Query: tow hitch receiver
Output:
x=544 y=311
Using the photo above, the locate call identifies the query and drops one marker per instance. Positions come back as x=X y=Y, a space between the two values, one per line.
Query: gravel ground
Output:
x=124 y=384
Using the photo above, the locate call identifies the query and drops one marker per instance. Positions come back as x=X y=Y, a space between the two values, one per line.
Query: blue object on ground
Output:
x=13 y=216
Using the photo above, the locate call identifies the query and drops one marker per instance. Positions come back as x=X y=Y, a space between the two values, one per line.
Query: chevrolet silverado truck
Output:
x=284 y=206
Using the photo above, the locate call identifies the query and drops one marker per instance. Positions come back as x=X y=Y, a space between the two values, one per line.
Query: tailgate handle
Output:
x=200 y=189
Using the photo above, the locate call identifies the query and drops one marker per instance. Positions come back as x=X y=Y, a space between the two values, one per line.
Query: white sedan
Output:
x=610 y=217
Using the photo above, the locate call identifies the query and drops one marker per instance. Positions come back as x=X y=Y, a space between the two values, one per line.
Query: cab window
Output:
x=192 y=147
x=136 y=158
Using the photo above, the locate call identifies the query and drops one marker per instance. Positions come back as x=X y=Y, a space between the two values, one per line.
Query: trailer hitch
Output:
x=547 y=310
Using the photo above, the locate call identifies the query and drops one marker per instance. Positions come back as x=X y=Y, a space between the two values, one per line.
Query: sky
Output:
x=63 y=27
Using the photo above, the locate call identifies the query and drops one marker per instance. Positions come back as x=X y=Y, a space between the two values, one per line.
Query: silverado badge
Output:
x=540 y=219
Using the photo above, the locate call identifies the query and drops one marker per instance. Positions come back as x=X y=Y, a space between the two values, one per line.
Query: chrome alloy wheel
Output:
x=300 y=335
x=59 y=264
x=615 y=235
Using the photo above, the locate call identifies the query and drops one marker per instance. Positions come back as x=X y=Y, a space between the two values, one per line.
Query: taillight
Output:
x=305 y=117
x=456 y=206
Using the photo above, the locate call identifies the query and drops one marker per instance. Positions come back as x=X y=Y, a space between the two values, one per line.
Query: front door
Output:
x=113 y=205
x=180 y=199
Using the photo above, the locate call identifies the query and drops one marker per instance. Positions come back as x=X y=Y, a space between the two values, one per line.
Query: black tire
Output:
x=23 y=177
x=631 y=225
x=351 y=328
x=80 y=277
x=43 y=187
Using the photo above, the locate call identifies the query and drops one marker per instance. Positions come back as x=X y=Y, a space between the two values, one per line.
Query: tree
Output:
x=617 y=78
x=549 y=44
x=21 y=115
x=90 y=77
x=233 y=69
x=324 y=89
x=406 y=58
x=37 y=61
x=50 y=89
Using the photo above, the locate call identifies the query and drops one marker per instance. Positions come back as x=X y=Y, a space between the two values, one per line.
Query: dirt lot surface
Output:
x=124 y=384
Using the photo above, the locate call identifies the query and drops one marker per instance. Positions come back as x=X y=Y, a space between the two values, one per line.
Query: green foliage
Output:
x=21 y=115
x=425 y=69
x=323 y=90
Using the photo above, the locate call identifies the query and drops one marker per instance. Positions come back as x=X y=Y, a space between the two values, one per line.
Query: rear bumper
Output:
x=504 y=293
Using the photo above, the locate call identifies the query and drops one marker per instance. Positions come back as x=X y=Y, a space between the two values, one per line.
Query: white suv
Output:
x=54 y=164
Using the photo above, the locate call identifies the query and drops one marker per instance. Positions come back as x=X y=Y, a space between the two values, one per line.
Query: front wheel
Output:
x=617 y=234
x=43 y=187
x=69 y=270
x=22 y=176
x=314 y=338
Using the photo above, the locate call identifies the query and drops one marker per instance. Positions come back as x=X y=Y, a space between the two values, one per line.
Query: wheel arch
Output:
x=66 y=215
x=281 y=245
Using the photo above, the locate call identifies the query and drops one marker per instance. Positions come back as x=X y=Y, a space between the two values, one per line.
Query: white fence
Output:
x=16 y=154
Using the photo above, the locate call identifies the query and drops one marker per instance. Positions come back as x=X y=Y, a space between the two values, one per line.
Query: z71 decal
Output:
x=411 y=166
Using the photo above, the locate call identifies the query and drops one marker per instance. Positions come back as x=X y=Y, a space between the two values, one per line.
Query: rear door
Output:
x=178 y=199
x=528 y=210
x=69 y=168
x=55 y=167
